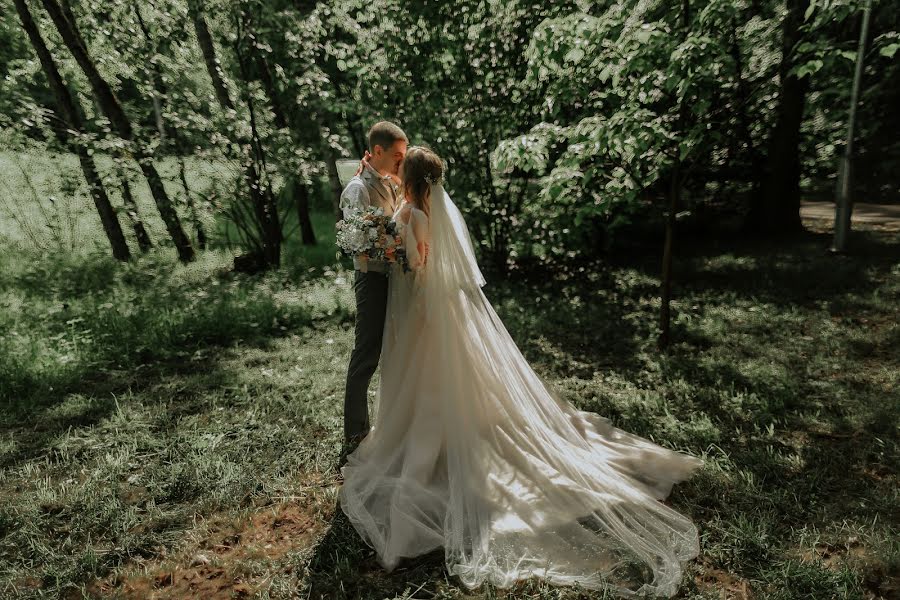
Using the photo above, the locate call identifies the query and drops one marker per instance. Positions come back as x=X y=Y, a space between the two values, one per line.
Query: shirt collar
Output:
x=374 y=173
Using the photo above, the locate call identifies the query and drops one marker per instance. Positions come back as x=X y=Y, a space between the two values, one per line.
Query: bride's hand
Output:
x=363 y=163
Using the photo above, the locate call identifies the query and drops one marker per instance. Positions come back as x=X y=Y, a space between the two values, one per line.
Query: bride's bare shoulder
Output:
x=404 y=213
x=419 y=213
x=408 y=211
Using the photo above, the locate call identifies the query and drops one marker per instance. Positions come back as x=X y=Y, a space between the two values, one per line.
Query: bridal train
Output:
x=470 y=451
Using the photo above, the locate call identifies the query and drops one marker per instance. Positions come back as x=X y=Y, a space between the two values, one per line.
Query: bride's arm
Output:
x=419 y=224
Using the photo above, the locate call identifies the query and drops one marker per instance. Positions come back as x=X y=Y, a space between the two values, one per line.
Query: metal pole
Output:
x=844 y=206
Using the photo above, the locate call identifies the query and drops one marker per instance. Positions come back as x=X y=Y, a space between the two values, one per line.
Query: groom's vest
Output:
x=370 y=188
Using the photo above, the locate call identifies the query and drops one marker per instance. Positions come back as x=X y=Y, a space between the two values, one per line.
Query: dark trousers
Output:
x=371 y=291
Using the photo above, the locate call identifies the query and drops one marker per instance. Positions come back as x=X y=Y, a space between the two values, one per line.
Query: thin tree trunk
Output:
x=204 y=39
x=264 y=209
x=334 y=182
x=264 y=206
x=111 y=107
x=307 y=234
x=145 y=243
x=158 y=96
x=192 y=206
x=159 y=91
x=777 y=209
x=844 y=203
x=665 y=310
x=665 y=292
x=743 y=118
x=71 y=115
x=299 y=189
x=265 y=76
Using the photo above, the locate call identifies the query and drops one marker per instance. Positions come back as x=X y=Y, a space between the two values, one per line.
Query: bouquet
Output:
x=371 y=235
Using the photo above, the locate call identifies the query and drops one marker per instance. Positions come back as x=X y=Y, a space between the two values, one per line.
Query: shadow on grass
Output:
x=801 y=271
x=344 y=567
x=573 y=329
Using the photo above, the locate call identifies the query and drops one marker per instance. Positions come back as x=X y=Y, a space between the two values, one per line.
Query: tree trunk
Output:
x=265 y=76
x=159 y=91
x=204 y=39
x=334 y=182
x=299 y=189
x=111 y=107
x=665 y=310
x=265 y=207
x=158 y=96
x=71 y=115
x=777 y=209
x=192 y=206
x=264 y=210
x=307 y=234
x=665 y=292
x=145 y=243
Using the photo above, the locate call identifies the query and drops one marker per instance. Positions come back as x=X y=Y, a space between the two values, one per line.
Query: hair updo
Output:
x=421 y=168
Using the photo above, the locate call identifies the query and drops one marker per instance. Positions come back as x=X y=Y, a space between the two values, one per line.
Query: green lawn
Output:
x=173 y=430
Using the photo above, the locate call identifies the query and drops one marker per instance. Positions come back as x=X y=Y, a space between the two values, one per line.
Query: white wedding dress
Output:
x=470 y=451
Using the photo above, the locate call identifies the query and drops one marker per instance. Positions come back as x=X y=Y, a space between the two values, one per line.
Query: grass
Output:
x=172 y=430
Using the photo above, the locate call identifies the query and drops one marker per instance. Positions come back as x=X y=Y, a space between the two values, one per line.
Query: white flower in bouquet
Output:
x=369 y=234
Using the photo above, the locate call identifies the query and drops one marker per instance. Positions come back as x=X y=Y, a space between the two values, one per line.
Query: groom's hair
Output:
x=384 y=134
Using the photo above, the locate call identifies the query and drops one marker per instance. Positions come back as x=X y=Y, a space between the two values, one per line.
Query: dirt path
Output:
x=886 y=216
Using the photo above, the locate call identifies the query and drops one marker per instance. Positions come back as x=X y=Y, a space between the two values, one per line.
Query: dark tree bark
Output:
x=71 y=115
x=159 y=88
x=192 y=206
x=204 y=40
x=307 y=234
x=145 y=243
x=665 y=291
x=265 y=76
x=159 y=95
x=665 y=310
x=303 y=134
x=112 y=108
x=777 y=208
x=334 y=182
x=264 y=206
x=266 y=238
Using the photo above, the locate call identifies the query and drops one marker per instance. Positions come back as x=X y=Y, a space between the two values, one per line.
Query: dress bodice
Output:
x=412 y=226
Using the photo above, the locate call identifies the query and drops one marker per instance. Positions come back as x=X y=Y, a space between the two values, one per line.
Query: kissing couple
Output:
x=469 y=450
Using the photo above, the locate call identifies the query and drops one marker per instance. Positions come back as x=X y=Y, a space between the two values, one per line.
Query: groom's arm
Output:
x=354 y=198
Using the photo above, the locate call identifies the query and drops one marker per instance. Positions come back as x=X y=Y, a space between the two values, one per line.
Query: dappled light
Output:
x=649 y=189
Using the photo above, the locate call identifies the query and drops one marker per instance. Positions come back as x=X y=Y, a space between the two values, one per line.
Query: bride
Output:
x=470 y=451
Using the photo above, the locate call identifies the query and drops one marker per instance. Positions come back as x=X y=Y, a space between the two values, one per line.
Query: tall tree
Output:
x=156 y=81
x=145 y=243
x=208 y=49
x=73 y=132
x=777 y=208
x=112 y=108
x=260 y=225
x=298 y=187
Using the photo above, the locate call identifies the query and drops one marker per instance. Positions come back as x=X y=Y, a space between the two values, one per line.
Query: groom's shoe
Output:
x=350 y=444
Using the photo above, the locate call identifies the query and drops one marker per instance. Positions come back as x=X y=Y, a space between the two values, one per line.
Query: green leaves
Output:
x=527 y=153
x=889 y=50
x=808 y=68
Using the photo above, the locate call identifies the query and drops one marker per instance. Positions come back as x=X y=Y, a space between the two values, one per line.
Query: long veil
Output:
x=544 y=489
x=452 y=266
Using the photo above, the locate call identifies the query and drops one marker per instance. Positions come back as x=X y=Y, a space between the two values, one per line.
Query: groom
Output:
x=375 y=185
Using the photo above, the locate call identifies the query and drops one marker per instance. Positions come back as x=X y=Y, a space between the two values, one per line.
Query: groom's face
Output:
x=389 y=160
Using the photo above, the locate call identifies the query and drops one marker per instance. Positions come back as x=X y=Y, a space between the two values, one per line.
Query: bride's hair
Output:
x=421 y=168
